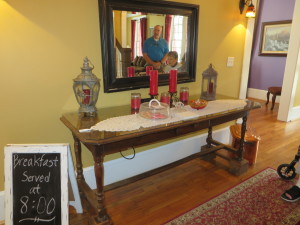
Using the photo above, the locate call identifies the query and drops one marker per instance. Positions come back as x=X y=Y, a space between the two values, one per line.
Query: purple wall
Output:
x=267 y=71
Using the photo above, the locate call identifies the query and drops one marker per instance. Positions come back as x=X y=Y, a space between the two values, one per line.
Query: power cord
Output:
x=129 y=158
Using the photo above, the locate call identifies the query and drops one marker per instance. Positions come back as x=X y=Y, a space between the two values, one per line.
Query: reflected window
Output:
x=138 y=40
x=178 y=36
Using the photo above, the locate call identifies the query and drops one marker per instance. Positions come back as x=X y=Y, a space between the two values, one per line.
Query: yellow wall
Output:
x=297 y=96
x=118 y=25
x=42 y=46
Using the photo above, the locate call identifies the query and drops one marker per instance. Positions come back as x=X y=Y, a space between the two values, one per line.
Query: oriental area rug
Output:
x=255 y=201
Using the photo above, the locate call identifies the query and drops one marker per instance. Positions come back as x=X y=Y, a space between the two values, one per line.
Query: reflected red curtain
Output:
x=168 y=22
x=143 y=23
x=133 y=27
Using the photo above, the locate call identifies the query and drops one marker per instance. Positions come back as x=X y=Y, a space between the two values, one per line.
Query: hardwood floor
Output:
x=159 y=198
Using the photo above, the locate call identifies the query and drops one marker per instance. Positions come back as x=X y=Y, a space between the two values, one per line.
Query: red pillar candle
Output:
x=148 y=69
x=130 y=71
x=211 y=87
x=87 y=96
x=173 y=81
x=153 y=82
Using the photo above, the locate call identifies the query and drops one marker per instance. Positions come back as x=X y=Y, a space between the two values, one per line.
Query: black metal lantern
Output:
x=86 y=87
x=209 y=84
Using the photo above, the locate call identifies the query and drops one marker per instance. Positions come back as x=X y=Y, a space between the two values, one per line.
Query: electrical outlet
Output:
x=230 y=61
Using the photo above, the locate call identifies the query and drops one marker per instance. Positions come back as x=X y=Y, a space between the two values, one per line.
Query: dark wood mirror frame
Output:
x=106 y=7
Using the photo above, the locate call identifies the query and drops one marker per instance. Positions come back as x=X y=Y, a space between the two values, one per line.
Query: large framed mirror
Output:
x=125 y=25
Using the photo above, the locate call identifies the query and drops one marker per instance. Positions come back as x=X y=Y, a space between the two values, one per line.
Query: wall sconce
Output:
x=250 y=12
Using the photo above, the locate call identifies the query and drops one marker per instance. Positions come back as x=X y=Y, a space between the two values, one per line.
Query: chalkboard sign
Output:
x=36 y=184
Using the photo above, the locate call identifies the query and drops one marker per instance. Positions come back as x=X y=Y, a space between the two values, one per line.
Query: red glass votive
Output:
x=153 y=82
x=130 y=71
x=148 y=69
x=135 y=100
x=135 y=111
x=173 y=81
x=184 y=94
x=87 y=96
x=165 y=97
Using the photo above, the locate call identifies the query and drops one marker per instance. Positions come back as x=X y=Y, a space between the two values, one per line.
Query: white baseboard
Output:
x=114 y=170
x=145 y=161
x=295 y=113
x=260 y=94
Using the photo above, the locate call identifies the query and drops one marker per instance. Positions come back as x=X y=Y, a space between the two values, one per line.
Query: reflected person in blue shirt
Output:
x=155 y=49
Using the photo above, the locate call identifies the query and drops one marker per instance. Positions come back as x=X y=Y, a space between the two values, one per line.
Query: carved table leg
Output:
x=209 y=137
x=77 y=148
x=207 y=148
x=242 y=141
x=240 y=165
x=102 y=216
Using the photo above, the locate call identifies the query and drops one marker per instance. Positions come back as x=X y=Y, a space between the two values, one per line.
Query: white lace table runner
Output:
x=134 y=122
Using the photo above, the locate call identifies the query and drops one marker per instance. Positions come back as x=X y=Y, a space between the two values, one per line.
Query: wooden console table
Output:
x=101 y=143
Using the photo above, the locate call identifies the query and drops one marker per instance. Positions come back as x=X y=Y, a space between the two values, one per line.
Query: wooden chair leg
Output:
x=273 y=101
x=268 y=95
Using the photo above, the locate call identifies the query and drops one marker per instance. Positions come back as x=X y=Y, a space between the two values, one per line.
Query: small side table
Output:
x=275 y=91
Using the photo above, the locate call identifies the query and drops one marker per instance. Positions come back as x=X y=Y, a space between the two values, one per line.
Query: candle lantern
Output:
x=209 y=84
x=86 y=87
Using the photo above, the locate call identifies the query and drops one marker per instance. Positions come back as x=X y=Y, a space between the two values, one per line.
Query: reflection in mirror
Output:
x=125 y=25
x=132 y=29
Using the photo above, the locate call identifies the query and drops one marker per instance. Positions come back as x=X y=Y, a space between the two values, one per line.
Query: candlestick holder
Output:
x=149 y=99
x=173 y=98
x=153 y=96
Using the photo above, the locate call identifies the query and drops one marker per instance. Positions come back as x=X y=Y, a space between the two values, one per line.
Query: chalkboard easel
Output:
x=36 y=184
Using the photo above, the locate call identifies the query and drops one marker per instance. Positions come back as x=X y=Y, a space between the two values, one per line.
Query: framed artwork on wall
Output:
x=274 y=39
